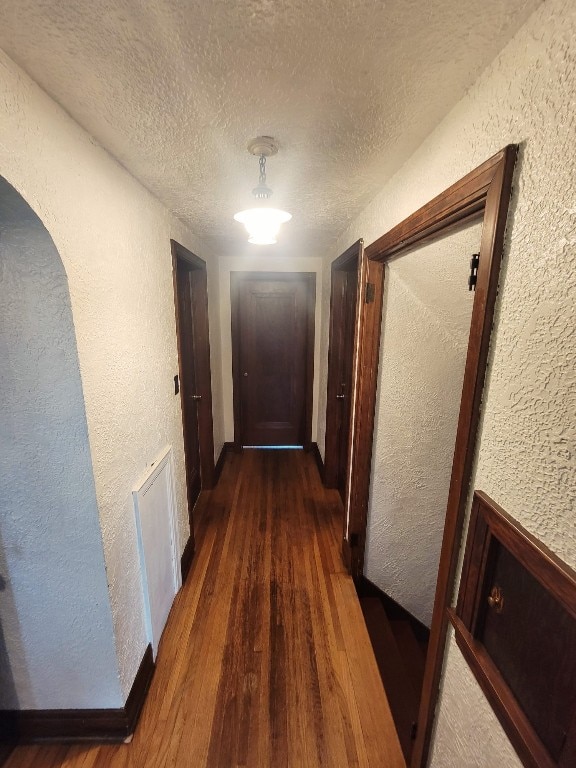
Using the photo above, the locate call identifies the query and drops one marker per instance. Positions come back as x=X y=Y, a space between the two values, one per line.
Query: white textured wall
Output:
x=527 y=451
x=113 y=238
x=258 y=263
x=54 y=593
x=425 y=328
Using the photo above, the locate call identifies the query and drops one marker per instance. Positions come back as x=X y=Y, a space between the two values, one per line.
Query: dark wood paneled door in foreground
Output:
x=191 y=301
x=273 y=357
x=343 y=303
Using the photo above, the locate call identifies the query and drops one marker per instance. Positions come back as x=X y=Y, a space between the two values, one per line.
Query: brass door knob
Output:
x=496 y=599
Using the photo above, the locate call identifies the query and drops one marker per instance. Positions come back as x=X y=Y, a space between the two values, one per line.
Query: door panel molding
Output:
x=482 y=194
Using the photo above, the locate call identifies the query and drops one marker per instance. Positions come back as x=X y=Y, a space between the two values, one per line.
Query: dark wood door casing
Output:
x=272 y=357
x=192 y=330
x=483 y=194
x=344 y=301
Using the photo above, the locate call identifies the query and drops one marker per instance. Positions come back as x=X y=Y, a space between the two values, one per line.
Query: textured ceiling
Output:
x=174 y=89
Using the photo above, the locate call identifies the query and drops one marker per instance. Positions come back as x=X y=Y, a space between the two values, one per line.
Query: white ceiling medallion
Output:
x=263 y=223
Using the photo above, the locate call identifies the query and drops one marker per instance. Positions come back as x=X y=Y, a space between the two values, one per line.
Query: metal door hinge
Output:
x=474 y=262
x=370 y=292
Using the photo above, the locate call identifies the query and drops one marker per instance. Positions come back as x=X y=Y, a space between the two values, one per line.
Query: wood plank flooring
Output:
x=265 y=660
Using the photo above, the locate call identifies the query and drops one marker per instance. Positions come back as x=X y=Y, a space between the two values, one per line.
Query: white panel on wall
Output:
x=158 y=544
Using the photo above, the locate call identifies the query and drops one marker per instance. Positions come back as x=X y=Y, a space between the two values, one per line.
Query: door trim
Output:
x=236 y=279
x=331 y=448
x=482 y=194
x=202 y=364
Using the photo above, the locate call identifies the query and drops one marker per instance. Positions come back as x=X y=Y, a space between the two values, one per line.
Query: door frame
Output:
x=483 y=194
x=203 y=382
x=236 y=279
x=331 y=447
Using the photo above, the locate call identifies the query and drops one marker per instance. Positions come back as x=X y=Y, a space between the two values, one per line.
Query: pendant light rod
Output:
x=262 y=191
x=262 y=224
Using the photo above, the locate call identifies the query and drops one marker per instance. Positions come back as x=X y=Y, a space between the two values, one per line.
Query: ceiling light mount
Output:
x=262 y=224
x=263 y=145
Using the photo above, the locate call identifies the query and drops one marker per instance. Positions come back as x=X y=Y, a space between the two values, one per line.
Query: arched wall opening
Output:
x=57 y=646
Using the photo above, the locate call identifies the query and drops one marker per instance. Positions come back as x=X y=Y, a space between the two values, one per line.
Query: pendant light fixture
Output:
x=262 y=223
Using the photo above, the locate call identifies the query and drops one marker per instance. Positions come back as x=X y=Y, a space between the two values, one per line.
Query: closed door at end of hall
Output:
x=273 y=317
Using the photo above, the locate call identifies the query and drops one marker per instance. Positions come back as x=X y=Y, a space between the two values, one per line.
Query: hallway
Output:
x=265 y=660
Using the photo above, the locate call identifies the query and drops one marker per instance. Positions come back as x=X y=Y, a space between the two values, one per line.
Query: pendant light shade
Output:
x=263 y=223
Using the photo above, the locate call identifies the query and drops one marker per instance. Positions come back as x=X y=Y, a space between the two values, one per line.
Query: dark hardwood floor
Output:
x=266 y=660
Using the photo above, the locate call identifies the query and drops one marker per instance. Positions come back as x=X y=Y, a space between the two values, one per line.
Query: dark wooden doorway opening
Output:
x=272 y=357
x=343 y=309
x=482 y=194
x=191 y=303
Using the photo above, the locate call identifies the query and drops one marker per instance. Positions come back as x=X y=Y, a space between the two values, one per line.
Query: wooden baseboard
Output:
x=8 y=733
x=318 y=458
x=221 y=459
x=366 y=588
x=139 y=690
x=5 y=752
x=186 y=559
x=31 y=726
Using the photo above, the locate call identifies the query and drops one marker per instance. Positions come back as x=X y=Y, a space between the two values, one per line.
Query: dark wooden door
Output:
x=191 y=298
x=343 y=303
x=273 y=339
x=188 y=384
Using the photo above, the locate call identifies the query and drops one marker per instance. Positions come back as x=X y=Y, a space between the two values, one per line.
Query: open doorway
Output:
x=55 y=607
x=484 y=193
x=426 y=313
